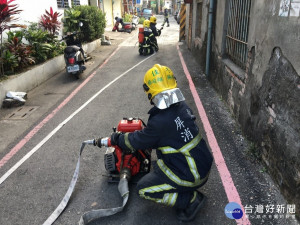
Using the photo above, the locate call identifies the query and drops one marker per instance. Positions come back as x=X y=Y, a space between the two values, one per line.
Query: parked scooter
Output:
x=74 y=54
x=135 y=21
x=126 y=26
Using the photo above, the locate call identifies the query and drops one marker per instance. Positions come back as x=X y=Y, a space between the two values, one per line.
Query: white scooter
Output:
x=135 y=21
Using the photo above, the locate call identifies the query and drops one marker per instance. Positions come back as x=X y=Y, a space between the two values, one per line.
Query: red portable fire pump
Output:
x=121 y=168
x=119 y=164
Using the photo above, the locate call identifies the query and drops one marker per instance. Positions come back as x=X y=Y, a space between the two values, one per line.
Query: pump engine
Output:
x=119 y=164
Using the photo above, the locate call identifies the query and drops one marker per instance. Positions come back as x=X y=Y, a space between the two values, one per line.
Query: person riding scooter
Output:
x=119 y=20
x=126 y=26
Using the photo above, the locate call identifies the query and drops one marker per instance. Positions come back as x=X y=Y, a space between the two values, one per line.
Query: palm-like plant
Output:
x=7 y=12
x=10 y=61
x=6 y=15
x=20 y=50
x=50 y=21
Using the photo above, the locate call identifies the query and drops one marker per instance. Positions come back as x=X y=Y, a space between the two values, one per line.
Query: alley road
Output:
x=104 y=96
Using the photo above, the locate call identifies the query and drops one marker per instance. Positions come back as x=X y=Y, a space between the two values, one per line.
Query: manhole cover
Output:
x=21 y=113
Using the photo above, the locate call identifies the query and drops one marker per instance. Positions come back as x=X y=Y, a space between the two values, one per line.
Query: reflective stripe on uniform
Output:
x=168 y=198
x=185 y=150
x=127 y=142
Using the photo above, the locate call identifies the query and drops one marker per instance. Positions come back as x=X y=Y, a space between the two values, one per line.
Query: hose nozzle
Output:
x=90 y=142
x=102 y=142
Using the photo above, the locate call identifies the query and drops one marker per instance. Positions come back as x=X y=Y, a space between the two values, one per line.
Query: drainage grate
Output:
x=21 y=113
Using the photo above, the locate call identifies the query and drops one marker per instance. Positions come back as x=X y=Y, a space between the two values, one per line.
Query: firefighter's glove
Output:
x=159 y=32
x=114 y=138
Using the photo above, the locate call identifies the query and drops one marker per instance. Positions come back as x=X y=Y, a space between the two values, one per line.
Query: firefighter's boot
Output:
x=189 y=214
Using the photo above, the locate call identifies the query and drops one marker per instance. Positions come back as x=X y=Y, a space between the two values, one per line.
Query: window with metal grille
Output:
x=237 y=31
x=62 y=3
x=76 y=2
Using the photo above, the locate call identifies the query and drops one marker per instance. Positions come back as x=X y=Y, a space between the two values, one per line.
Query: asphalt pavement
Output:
x=30 y=193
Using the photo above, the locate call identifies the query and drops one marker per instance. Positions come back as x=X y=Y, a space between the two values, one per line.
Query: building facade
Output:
x=250 y=52
x=33 y=14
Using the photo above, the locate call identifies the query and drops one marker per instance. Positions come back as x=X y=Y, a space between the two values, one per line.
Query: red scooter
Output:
x=126 y=27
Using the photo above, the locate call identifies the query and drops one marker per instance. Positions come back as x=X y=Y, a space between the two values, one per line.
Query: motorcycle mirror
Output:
x=80 y=24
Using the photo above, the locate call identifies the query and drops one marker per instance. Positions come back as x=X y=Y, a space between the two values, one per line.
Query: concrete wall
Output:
x=92 y=2
x=199 y=42
x=112 y=9
x=264 y=97
x=33 y=11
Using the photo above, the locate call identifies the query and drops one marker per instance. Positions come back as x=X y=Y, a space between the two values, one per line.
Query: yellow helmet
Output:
x=158 y=79
x=146 y=23
x=153 y=19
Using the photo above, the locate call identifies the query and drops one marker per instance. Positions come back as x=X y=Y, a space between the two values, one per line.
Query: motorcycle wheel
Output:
x=77 y=75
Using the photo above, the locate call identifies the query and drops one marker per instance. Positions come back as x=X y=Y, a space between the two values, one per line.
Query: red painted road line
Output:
x=230 y=189
x=15 y=149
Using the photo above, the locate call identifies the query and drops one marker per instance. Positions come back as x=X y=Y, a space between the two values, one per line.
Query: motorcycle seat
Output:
x=72 y=49
x=126 y=23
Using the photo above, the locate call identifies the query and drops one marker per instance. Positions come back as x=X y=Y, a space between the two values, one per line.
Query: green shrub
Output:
x=22 y=52
x=93 y=22
x=127 y=17
x=71 y=20
x=10 y=62
x=141 y=21
x=44 y=45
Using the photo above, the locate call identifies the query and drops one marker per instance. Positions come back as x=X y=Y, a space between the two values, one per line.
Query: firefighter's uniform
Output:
x=149 y=44
x=155 y=31
x=166 y=18
x=184 y=160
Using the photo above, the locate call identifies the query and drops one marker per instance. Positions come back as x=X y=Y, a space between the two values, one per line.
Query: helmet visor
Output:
x=166 y=98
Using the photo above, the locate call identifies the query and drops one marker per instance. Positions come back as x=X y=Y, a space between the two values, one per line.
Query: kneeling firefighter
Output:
x=184 y=160
x=148 y=42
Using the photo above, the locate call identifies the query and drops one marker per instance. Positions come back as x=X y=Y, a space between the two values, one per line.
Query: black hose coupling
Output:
x=125 y=173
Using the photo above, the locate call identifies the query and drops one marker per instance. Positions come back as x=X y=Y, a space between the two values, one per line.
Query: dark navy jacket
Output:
x=173 y=128
x=154 y=29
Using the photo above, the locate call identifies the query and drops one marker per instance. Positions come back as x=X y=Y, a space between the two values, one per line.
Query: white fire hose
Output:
x=94 y=214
